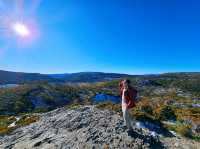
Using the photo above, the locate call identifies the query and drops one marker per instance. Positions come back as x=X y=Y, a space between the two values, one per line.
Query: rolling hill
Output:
x=8 y=77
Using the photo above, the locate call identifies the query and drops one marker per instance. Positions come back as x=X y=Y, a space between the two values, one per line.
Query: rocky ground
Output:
x=84 y=128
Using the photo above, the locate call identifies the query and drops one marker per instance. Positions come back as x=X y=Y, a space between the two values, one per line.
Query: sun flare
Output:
x=21 y=29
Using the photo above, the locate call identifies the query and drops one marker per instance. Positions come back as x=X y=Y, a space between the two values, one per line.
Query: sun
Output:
x=21 y=29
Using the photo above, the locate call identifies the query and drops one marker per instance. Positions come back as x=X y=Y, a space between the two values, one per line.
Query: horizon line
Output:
x=155 y=73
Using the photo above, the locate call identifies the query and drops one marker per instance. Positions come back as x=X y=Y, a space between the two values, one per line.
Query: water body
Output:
x=196 y=105
x=105 y=98
x=8 y=85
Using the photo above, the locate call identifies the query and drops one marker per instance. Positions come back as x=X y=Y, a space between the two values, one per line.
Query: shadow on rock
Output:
x=154 y=142
x=155 y=126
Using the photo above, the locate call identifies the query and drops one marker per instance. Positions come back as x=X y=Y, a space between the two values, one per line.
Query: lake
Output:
x=106 y=97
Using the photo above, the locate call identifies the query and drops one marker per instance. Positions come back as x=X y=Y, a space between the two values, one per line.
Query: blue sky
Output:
x=126 y=36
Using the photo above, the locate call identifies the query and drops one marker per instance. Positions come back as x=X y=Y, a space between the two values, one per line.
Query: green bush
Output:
x=166 y=113
x=184 y=130
x=147 y=109
x=196 y=138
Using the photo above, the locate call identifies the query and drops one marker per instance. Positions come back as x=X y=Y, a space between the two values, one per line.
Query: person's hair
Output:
x=127 y=81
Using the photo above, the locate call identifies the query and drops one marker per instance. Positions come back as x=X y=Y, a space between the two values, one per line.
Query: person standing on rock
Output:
x=128 y=95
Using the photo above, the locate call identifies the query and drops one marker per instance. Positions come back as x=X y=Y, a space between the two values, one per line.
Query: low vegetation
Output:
x=166 y=97
x=27 y=119
x=146 y=110
x=5 y=122
x=36 y=97
x=73 y=106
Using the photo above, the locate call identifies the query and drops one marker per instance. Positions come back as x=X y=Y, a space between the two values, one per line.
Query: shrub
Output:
x=5 y=130
x=192 y=114
x=110 y=106
x=165 y=113
x=196 y=138
x=41 y=110
x=184 y=130
x=26 y=120
x=73 y=106
x=6 y=120
x=145 y=106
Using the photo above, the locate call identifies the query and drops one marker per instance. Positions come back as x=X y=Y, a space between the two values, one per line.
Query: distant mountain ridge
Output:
x=92 y=76
x=9 y=77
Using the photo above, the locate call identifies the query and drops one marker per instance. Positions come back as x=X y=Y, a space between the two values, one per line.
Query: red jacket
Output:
x=130 y=95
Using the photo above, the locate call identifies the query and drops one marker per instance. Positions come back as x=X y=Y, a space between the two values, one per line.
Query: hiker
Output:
x=128 y=95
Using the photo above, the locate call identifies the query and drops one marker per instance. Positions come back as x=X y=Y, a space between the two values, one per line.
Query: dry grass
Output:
x=110 y=106
x=26 y=120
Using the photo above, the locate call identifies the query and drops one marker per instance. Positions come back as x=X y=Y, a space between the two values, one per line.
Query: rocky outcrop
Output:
x=84 y=127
